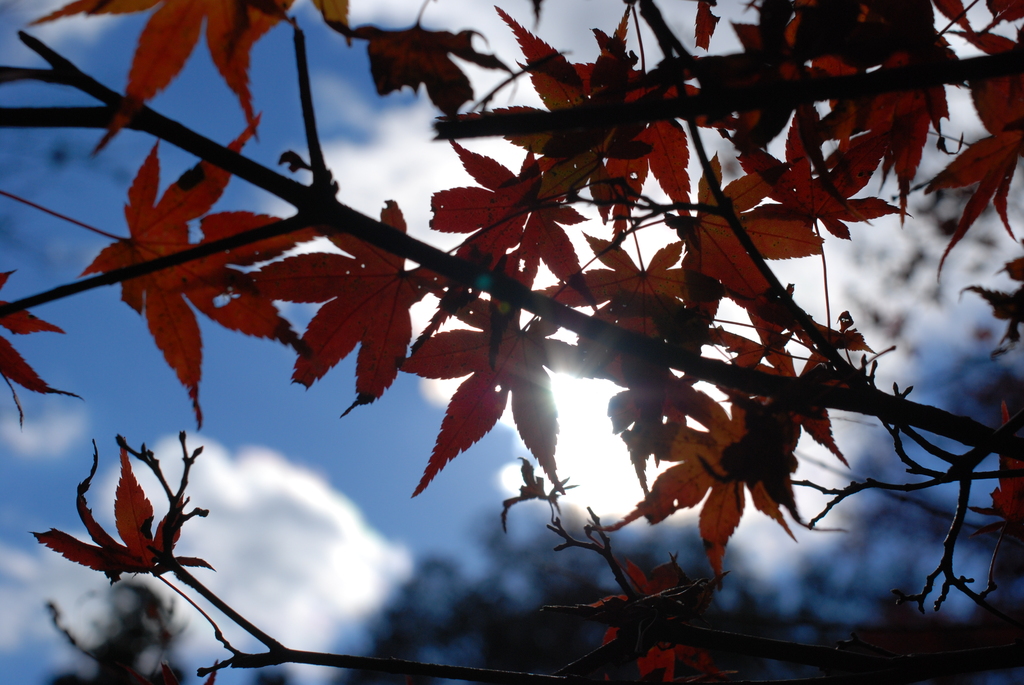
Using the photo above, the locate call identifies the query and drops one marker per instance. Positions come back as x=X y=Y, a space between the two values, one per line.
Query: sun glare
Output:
x=589 y=454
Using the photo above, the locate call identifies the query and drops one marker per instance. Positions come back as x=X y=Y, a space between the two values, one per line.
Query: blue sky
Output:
x=283 y=471
x=289 y=437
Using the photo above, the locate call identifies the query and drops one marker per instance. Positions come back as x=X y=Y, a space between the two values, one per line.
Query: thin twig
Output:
x=322 y=179
x=76 y=222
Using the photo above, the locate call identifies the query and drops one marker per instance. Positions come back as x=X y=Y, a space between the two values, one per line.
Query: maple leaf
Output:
x=13 y=366
x=901 y=120
x=659 y=664
x=505 y=213
x=333 y=11
x=415 y=56
x=992 y=161
x=1006 y=306
x=225 y=295
x=499 y=363
x=669 y=158
x=133 y=515
x=232 y=27
x=706 y=23
x=805 y=198
x=612 y=163
x=752 y=448
x=1007 y=499
x=556 y=81
x=367 y=295
x=714 y=250
x=649 y=299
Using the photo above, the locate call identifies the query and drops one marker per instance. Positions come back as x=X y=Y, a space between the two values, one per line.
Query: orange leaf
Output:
x=714 y=250
x=232 y=26
x=753 y=447
x=505 y=213
x=226 y=295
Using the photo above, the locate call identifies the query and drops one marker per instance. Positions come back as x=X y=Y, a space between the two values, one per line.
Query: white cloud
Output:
x=48 y=434
x=293 y=555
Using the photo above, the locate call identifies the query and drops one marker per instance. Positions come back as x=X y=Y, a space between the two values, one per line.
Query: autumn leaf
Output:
x=1006 y=306
x=13 y=366
x=669 y=158
x=706 y=23
x=612 y=163
x=417 y=56
x=556 y=81
x=232 y=27
x=367 y=292
x=505 y=213
x=992 y=161
x=226 y=295
x=333 y=11
x=514 y=365
x=714 y=250
x=648 y=299
x=901 y=121
x=804 y=197
x=1007 y=499
x=660 y=662
x=133 y=515
x=751 y=449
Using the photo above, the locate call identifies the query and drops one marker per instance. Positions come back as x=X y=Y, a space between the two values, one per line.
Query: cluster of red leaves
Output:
x=143 y=549
x=669 y=596
x=517 y=223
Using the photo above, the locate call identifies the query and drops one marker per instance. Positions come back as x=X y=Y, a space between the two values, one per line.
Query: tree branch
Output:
x=717 y=102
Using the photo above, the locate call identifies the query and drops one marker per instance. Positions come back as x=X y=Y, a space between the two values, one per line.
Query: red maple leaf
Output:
x=367 y=295
x=714 y=250
x=649 y=298
x=498 y=362
x=226 y=295
x=805 y=198
x=706 y=23
x=13 y=367
x=901 y=121
x=753 y=448
x=992 y=161
x=505 y=213
x=133 y=515
x=1007 y=499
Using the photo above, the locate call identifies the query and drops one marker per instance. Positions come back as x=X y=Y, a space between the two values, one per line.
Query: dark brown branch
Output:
x=719 y=102
x=869 y=669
